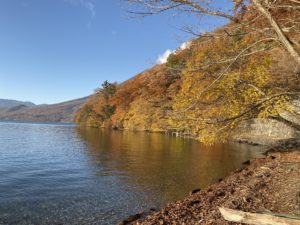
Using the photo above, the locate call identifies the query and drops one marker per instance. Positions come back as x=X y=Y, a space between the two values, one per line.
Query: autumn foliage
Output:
x=207 y=90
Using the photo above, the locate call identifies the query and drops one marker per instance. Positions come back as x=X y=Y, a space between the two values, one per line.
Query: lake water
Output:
x=62 y=174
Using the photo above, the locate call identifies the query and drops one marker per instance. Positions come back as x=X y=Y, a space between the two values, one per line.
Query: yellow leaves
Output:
x=143 y=116
x=257 y=71
x=273 y=107
x=211 y=96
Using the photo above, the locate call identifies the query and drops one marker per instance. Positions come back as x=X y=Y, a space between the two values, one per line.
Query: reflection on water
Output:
x=53 y=174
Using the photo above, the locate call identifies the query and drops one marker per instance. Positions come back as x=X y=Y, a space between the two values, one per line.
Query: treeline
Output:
x=141 y=103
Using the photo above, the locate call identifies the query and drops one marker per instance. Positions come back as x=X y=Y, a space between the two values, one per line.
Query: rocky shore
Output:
x=267 y=185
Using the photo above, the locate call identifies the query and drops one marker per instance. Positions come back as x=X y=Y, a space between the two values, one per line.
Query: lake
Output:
x=63 y=174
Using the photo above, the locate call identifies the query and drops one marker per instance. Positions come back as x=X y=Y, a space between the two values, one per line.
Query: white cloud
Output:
x=84 y=3
x=164 y=57
x=185 y=45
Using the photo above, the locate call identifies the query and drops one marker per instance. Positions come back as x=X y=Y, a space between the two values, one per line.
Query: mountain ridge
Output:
x=59 y=112
x=8 y=103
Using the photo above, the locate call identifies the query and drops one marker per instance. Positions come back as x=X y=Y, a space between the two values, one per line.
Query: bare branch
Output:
x=281 y=36
x=155 y=7
x=206 y=11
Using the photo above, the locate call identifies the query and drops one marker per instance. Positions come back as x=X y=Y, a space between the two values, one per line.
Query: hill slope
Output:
x=208 y=90
x=62 y=112
x=6 y=103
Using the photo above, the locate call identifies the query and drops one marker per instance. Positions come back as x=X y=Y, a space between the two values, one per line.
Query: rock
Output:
x=220 y=193
x=194 y=202
x=131 y=219
x=246 y=162
x=195 y=191
x=152 y=210
x=265 y=132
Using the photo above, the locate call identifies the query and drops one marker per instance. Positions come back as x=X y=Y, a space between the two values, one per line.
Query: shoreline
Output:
x=249 y=139
x=267 y=185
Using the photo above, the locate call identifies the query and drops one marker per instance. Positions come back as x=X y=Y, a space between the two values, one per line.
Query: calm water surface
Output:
x=62 y=174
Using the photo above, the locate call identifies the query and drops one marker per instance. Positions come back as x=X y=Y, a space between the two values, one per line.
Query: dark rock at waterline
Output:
x=195 y=191
x=131 y=219
x=152 y=210
x=284 y=146
x=246 y=162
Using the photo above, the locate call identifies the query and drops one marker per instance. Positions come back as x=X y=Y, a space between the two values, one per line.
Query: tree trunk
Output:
x=256 y=219
x=281 y=36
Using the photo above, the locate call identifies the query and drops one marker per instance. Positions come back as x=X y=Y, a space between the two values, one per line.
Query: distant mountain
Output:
x=16 y=108
x=7 y=103
x=25 y=111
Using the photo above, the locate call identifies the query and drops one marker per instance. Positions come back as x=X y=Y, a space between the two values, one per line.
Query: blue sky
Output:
x=57 y=50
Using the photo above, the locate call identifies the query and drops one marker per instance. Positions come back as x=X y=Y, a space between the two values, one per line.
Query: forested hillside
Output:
x=6 y=103
x=61 y=112
x=241 y=71
x=141 y=103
